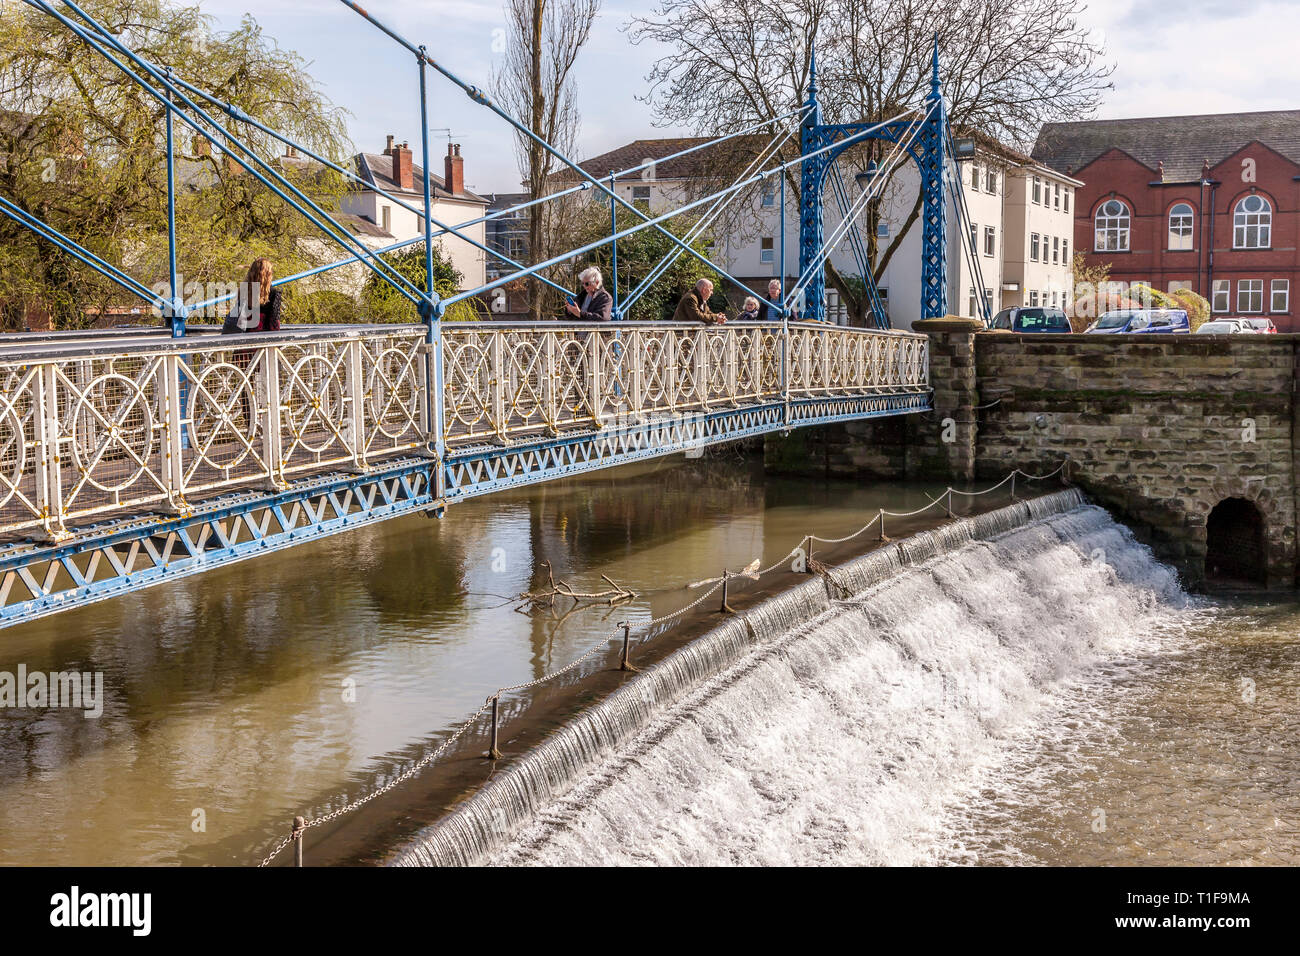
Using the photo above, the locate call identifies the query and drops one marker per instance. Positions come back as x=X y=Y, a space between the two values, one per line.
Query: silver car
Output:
x=1223 y=327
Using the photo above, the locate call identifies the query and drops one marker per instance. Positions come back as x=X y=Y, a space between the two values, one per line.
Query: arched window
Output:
x=1180 y=227
x=1111 y=234
x=1252 y=224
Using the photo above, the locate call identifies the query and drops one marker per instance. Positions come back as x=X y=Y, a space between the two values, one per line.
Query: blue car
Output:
x=1155 y=321
x=1030 y=318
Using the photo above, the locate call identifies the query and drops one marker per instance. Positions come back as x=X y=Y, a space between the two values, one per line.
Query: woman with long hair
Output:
x=257 y=304
x=256 y=309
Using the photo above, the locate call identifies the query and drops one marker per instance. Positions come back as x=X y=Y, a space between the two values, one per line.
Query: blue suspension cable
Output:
x=756 y=178
x=481 y=98
x=72 y=248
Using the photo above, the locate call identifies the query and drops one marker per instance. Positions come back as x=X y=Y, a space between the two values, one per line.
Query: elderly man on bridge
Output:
x=694 y=306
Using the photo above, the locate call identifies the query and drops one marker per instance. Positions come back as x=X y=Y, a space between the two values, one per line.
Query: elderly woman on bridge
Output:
x=591 y=303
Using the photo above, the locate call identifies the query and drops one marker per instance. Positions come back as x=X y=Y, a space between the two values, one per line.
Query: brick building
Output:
x=1210 y=203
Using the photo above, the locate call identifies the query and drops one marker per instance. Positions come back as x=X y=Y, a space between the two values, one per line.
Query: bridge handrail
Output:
x=31 y=347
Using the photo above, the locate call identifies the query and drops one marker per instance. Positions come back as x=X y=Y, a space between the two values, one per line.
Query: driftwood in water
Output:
x=616 y=594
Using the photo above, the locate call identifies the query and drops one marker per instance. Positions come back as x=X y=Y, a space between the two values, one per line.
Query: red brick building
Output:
x=1210 y=203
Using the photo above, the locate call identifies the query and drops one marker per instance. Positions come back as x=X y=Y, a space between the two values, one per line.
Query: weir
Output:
x=921 y=610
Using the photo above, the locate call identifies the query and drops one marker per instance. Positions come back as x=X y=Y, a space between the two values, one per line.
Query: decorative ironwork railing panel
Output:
x=163 y=423
x=511 y=382
x=93 y=426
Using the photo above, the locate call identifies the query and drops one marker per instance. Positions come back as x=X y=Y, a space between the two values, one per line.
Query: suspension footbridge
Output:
x=132 y=458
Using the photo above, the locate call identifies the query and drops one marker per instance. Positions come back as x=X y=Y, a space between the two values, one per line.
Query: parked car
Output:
x=1154 y=321
x=1030 y=318
x=1260 y=326
x=1223 y=327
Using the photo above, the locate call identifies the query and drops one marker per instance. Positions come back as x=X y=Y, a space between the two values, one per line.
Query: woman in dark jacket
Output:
x=256 y=309
x=257 y=306
x=765 y=312
x=591 y=303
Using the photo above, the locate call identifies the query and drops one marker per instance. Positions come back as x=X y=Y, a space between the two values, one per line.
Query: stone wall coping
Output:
x=949 y=323
x=1136 y=338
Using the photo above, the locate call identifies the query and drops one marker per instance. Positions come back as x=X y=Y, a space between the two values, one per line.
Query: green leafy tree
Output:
x=1198 y=308
x=637 y=256
x=381 y=302
x=81 y=146
x=1152 y=298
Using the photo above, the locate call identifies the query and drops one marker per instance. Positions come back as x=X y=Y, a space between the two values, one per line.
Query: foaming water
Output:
x=818 y=731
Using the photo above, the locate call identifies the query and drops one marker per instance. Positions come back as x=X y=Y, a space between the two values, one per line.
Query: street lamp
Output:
x=865 y=177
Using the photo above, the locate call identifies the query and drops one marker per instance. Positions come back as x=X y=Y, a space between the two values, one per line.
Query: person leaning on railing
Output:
x=773 y=295
x=257 y=305
x=750 y=312
x=694 y=306
x=591 y=303
x=256 y=309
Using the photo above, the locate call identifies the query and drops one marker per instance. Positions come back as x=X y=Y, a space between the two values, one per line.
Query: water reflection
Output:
x=255 y=691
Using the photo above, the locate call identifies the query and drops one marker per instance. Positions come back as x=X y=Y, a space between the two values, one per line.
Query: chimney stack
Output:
x=403 y=174
x=454 y=167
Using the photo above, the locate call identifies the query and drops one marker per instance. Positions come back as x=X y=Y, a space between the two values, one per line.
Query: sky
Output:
x=1171 y=58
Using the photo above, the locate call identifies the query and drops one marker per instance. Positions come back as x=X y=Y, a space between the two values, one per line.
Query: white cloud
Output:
x=1190 y=56
x=1199 y=56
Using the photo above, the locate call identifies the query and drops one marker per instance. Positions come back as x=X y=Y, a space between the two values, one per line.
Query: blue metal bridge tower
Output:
x=923 y=140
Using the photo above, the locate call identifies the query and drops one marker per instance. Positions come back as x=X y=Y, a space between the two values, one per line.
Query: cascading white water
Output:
x=813 y=731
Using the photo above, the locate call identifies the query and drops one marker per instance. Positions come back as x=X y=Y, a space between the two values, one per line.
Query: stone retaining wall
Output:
x=1158 y=429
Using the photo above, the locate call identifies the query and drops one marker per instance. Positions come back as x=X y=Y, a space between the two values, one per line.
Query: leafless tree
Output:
x=1008 y=67
x=533 y=82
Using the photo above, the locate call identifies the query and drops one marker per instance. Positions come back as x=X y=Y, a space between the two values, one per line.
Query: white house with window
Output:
x=1040 y=227
x=1008 y=196
x=452 y=204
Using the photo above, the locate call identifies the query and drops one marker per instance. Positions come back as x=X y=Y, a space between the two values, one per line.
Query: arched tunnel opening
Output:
x=1234 y=539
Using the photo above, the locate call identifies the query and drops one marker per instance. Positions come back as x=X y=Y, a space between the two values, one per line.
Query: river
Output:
x=238 y=698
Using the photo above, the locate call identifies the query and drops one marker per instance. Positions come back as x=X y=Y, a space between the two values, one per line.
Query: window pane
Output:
x=1112 y=227
x=1250 y=295
x=1220 y=295
x=1281 y=295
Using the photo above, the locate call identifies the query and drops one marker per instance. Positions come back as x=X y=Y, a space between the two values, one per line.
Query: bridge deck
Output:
x=129 y=458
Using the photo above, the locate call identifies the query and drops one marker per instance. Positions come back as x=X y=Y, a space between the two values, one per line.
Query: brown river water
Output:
x=290 y=683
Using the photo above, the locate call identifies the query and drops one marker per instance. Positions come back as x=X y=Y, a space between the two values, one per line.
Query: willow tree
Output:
x=533 y=82
x=1008 y=66
x=82 y=148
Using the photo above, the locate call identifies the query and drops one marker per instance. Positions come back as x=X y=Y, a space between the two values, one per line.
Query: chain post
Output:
x=494 y=753
x=299 y=827
x=726 y=581
x=625 y=662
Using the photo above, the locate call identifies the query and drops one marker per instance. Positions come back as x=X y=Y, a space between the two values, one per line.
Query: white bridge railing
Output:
x=89 y=426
